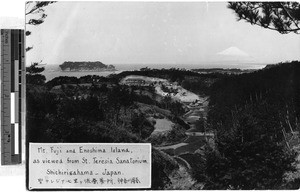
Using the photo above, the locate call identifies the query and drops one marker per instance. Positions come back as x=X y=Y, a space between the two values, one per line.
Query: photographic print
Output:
x=163 y=95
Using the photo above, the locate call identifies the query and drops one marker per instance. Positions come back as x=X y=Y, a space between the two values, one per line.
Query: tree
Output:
x=283 y=17
x=34 y=69
x=248 y=155
x=33 y=75
x=35 y=8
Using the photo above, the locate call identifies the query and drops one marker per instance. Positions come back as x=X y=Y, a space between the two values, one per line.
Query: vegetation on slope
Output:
x=253 y=114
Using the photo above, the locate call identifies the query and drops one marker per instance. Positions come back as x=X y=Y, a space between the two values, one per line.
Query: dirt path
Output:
x=196 y=139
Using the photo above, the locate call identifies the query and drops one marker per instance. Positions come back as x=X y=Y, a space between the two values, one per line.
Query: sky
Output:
x=155 y=33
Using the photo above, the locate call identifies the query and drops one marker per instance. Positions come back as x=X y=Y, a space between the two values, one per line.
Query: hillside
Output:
x=95 y=109
x=278 y=85
x=256 y=120
x=252 y=118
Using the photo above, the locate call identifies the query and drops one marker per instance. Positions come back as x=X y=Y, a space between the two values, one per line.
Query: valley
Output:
x=198 y=124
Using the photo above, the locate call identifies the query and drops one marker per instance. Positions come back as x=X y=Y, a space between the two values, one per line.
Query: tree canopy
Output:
x=283 y=17
x=37 y=12
x=37 y=8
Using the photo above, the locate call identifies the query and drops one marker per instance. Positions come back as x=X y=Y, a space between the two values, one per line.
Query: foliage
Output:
x=36 y=8
x=250 y=113
x=62 y=80
x=37 y=79
x=141 y=125
x=249 y=156
x=175 y=135
x=162 y=166
x=84 y=65
x=34 y=69
x=278 y=86
x=172 y=74
x=197 y=163
x=174 y=106
x=33 y=75
x=283 y=17
x=36 y=12
x=91 y=79
x=181 y=179
x=92 y=109
x=73 y=105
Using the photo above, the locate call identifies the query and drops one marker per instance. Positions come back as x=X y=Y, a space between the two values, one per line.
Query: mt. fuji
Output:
x=233 y=57
x=233 y=51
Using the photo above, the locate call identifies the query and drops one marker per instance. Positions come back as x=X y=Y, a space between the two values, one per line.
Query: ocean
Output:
x=53 y=70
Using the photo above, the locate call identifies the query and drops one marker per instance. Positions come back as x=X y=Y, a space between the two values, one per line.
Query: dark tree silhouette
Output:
x=33 y=75
x=34 y=69
x=36 y=8
x=37 y=11
x=251 y=154
x=283 y=17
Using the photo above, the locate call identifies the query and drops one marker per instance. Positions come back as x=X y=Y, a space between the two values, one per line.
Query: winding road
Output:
x=196 y=139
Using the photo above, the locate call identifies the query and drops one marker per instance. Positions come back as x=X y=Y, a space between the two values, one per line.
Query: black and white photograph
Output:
x=162 y=95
